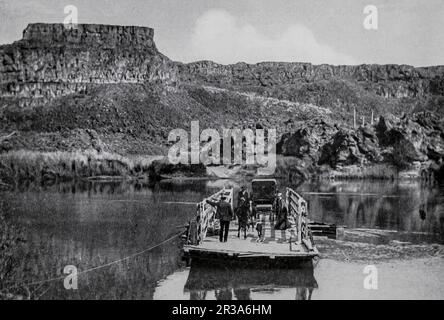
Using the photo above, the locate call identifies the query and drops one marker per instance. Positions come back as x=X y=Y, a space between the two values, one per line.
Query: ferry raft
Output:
x=293 y=245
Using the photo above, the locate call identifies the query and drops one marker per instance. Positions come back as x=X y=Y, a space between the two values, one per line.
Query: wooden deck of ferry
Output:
x=293 y=244
x=275 y=245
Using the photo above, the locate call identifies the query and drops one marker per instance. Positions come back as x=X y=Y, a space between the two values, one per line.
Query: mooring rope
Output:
x=17 y=284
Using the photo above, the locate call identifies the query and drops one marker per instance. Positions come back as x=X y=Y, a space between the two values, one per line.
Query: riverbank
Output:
x=370 y=172
x=55 y=167
x=22 y=165
x=60 y=166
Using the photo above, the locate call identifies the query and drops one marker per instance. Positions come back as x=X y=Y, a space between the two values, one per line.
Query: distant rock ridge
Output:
x=389 y=81
x=52 y=60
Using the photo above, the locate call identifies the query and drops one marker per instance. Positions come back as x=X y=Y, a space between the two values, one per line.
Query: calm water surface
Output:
x=398 y=227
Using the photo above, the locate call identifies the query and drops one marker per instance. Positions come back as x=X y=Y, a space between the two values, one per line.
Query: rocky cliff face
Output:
x=52 y=60
x=369 y=89
x=390 y=81
x=413 y=143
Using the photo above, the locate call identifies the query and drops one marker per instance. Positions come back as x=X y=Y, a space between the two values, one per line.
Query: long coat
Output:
x=223 y=210
x=242 y=213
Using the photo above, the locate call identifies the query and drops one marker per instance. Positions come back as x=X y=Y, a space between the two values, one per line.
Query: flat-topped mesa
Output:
x=53 y=60
x=89 y=34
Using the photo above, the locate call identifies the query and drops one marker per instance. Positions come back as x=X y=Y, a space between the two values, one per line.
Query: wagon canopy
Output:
x=264 y=190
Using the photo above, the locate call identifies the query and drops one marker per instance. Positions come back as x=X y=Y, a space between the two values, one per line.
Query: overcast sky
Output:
x=229 y=31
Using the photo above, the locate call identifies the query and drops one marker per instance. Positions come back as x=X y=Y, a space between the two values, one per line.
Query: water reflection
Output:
x=228 y=283
x=406 y=207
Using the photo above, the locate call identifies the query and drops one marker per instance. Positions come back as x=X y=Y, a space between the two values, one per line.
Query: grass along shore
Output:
x=59 y=166
x=62 y=166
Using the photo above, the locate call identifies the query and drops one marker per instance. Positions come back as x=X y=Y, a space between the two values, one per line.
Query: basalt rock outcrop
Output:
x=52 y=60
x=419 y=138
x=410 y=143
x=307 y=141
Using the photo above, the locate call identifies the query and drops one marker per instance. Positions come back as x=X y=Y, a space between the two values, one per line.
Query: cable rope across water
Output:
x=101 y=266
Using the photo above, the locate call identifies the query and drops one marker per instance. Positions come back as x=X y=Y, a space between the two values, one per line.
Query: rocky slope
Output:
x=108 y=88
x=379 y=88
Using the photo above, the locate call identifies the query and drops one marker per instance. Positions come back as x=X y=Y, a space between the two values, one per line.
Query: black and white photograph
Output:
x=221 y=150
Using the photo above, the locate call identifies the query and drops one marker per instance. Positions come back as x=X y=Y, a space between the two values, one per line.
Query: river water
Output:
x=396 y=228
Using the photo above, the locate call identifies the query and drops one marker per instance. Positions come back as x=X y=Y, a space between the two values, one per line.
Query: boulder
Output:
x=408 y=143
x=306 y=141
x=351 y=147
x=417 y=138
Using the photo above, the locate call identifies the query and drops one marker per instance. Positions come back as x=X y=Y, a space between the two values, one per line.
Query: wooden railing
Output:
x=205 y=221
x=297 y=216
x=205 y=217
